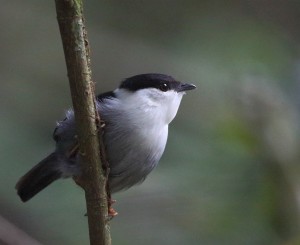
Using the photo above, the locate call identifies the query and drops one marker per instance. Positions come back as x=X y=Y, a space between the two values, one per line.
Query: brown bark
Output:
x=93 y=179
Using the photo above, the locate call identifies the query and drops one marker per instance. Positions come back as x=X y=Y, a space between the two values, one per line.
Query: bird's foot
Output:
x=111 y=212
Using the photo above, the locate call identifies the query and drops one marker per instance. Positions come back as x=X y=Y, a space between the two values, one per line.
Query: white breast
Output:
x=136 y=133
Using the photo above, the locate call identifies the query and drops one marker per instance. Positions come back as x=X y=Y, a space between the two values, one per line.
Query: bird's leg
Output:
x=102 y=124
x=111 y=212
x=73 y=151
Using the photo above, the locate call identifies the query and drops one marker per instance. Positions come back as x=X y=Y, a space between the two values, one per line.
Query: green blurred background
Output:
x=230 y=172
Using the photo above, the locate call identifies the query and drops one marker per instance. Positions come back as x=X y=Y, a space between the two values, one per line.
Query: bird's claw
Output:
x=111 y=212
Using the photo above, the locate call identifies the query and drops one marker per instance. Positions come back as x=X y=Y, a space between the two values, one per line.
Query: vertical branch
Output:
x=93 y=180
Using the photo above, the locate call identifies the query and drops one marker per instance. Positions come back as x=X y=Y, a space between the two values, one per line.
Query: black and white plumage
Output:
x=136 y=116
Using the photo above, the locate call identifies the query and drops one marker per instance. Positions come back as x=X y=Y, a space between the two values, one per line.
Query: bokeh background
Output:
x=230 y=172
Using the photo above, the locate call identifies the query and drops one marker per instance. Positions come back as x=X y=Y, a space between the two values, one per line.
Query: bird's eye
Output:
x=163 y=87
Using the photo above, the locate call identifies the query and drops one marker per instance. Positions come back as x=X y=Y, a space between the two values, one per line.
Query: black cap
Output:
x=155 y=80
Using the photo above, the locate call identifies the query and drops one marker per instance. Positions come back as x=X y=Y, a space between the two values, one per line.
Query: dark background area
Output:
x=230 y=172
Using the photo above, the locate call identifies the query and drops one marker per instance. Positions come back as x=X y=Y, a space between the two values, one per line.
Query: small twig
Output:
x=93 y=178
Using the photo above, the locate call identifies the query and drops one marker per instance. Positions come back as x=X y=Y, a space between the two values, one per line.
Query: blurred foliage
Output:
x=230 y=171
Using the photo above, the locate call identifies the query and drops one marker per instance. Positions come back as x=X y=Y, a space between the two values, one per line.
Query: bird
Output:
x=136 y=116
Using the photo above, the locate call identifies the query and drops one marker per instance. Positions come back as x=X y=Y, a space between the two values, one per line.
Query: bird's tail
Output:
x=39 y=177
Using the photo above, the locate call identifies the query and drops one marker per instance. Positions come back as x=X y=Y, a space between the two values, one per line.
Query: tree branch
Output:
x=93 y=180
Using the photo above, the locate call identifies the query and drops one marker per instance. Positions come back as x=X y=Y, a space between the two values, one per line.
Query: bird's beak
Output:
x=185 y=87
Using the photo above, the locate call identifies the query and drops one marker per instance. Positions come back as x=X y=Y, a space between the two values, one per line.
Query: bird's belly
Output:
x=133 y=155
